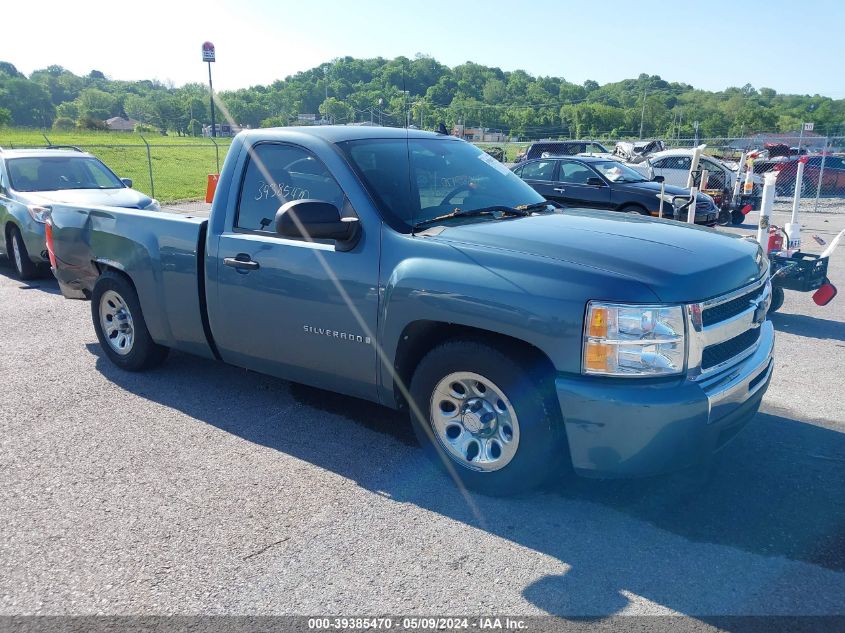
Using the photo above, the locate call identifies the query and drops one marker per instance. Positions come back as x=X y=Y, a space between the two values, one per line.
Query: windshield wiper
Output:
x=497 y=211
x=536 y=206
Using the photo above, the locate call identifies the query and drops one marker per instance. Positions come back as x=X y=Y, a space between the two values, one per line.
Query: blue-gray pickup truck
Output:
x=413 y=270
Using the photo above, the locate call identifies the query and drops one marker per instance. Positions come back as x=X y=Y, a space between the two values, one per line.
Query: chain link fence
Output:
x=168 y=171
x=822 y=187
x=177 y=171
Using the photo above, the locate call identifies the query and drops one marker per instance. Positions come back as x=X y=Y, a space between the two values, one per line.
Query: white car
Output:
x=674 y=166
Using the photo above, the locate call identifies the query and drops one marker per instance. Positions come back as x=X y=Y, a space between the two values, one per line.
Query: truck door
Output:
x=573 y=186
x=289 y=307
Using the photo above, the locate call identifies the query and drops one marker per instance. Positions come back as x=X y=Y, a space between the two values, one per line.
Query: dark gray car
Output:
x=601 y=183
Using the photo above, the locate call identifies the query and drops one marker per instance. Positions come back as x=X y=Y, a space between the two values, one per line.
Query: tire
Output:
x=633 y=208
x=24 y=267
x=120 y=325
x=777 y=300
x=724 y=218
x=737 y=218
x=457 y=387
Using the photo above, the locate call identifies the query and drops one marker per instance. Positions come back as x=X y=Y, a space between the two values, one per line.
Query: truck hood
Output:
x=677 y=262
x=124 y=197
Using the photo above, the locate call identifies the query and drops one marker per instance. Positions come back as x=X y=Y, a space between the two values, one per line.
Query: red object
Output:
x=832 y=179
x=211 y=187
x=746 y=209
x=824 y=294
x=207 y=52
x=775 y=241
x=48 y=232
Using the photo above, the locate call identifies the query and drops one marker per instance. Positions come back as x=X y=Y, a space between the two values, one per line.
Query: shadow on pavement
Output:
x=44 y=282
x=762 y=532
x=812 y=327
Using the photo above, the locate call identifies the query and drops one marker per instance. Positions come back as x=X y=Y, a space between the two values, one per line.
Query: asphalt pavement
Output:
x=200 y=488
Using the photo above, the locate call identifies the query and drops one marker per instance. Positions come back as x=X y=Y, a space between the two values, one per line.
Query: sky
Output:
x=793 y=47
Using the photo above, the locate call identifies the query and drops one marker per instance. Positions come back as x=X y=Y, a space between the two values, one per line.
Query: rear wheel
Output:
x=120 y=325
x=24 y=267
x=737 y=218
x=633 y=208
x=486 y=419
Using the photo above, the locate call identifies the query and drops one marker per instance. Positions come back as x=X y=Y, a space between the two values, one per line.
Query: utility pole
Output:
x=642 y=116
x=208 y=55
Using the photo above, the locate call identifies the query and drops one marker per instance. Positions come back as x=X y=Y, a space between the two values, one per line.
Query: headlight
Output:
x=626 y=340
x=39 y=214
x=153 y=206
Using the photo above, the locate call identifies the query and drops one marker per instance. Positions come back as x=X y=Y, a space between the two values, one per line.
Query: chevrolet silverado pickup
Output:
x=411 y=269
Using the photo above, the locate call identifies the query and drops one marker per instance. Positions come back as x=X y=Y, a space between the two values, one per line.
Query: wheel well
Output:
x=633 y=206
x=104 y=268
x=420 y=337
x=7 y=233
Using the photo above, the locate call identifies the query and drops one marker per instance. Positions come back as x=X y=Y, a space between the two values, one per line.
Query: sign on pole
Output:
x=207 y=52
x=808 y=127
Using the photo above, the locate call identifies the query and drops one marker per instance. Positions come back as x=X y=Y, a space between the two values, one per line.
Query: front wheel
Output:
x=737 y=218
x=486 y=419
x=24 y=267
x=120 y=325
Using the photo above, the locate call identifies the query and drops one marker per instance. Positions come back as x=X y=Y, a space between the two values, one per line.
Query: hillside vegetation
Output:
x=421 y=91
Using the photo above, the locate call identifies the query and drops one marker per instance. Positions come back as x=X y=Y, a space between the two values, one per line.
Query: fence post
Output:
x=217 y=154
x=150 y=166
x=821 y=174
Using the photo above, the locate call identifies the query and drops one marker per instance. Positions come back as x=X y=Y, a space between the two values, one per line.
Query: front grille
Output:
x=721 y=352
x=724 y=311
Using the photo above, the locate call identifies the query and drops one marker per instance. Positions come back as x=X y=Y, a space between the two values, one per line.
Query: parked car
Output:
x=32 y=180
x=674 y=166
x=519 y=336
x=832 y=178
x=544 y=149
x=599 y=183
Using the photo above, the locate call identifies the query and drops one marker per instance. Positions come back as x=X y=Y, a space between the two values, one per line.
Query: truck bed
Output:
x=162 y=253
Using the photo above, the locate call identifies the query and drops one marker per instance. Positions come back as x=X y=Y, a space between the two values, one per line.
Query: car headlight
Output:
x=153 y=206
x=628 y=340
x=37 y=213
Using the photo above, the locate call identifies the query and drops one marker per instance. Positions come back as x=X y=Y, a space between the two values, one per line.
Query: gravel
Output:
x=200 y=488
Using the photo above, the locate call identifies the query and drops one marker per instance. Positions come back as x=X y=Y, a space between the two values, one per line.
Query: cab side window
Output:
x=277 y=174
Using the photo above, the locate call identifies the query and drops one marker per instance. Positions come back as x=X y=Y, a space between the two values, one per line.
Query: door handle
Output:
x=241 y=261
x=559 y=189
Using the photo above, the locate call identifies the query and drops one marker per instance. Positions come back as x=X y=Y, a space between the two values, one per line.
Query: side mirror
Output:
x=317 y=220
x=595 y=181
x=127 y=182
x=659 y=179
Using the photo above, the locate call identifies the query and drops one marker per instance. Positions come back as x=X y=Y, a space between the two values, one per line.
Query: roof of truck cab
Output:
x=340 y=133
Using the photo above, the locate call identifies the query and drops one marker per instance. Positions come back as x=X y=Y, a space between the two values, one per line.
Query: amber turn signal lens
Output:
x=598 y=322
x=597 y=354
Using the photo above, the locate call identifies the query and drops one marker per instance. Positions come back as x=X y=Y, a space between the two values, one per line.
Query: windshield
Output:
x=52 y=173
x=617 y=172
x=419 y=179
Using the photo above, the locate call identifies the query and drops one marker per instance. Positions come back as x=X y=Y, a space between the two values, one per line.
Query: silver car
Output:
x=32 y=180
